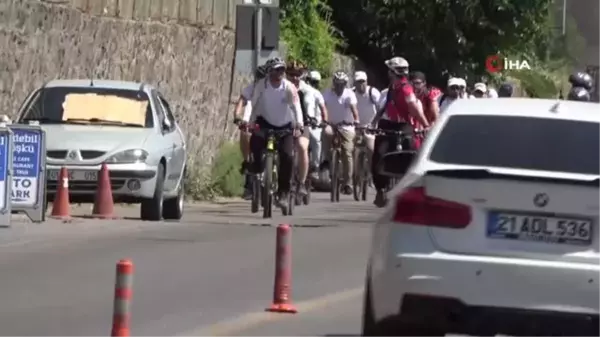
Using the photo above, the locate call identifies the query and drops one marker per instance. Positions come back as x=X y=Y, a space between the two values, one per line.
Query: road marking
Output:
x=253 y=319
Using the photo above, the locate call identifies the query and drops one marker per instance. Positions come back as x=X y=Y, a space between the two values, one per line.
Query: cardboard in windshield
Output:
x=107 y=107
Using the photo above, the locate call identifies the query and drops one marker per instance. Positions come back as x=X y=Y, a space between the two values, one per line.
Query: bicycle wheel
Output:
x=365 y=177
x=268 y=182
x=256 y=193
x=291 y=202
x=334 y=176
x=357 y=178
x=339 y=174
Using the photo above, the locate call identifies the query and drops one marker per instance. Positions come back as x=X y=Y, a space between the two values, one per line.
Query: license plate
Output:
x=75 y=175
x=562 y=230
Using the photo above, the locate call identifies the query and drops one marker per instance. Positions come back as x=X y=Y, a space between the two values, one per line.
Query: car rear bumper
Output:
x=121 y=177
x=460 y=290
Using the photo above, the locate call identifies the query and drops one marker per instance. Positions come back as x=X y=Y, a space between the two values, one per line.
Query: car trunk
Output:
x=536 y=215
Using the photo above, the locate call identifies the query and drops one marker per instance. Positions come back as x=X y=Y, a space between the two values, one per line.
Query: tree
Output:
x=442 y=37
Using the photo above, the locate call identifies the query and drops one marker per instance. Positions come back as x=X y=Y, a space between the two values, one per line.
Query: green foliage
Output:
x=443 y=38
x=222 y=179
x=308 y=34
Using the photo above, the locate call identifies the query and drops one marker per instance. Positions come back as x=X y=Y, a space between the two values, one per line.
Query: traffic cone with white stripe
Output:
x=61 y=206
x=104 y=205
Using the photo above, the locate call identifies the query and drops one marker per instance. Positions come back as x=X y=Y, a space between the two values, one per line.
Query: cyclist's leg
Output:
x=245 y=149
x=302 y=143
x=326 y=140
x=285 y=148
x=381 y=146
x=315 y=147
x=347 y=140
x=258 y=143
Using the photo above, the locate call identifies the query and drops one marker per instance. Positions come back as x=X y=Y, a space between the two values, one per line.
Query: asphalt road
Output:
x=211 y=274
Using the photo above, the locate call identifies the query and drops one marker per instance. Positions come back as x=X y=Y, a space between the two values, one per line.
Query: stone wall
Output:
x=191 y=65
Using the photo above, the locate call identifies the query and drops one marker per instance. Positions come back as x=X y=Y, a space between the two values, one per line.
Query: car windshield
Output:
x=519 y=142
x=89 y=105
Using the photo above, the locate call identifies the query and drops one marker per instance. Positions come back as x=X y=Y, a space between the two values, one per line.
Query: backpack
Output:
x=301 y=96
x=370 y=95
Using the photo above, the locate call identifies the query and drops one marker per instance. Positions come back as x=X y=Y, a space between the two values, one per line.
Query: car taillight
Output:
x=414 y=206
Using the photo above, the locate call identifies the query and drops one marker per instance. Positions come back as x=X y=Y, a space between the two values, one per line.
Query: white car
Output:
x=494 y=227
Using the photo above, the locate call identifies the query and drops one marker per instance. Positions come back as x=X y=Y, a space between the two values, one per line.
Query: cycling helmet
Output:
x=314 y=76
x=275 y=63
x=579 y=94
x=295 y=66
x=398 y=65
x=261 y=71
x=581 y=79
x=340 y=77
x=505 y=90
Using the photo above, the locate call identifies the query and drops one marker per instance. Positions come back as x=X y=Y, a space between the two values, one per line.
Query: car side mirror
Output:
x=166 y=125
x=395 y=164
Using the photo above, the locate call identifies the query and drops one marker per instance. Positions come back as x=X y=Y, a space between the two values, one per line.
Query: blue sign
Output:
x=27 y=149
x=3 y=169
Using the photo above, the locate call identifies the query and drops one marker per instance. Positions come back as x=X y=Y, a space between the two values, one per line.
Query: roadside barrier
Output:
x=61 y=206
x=123 y=296
x=104 y=206
x=282 y=301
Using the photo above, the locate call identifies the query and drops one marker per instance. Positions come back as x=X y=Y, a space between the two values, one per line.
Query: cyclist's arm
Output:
x=321 y=104
x=434 y=108
x=245 y=96
x=295 y=106
x=256 y=94
x=414 y=108
x=352 y=101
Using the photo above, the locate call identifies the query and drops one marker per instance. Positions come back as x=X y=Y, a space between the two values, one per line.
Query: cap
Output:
x=360 y=76
x=480 y=87
x=457 y=81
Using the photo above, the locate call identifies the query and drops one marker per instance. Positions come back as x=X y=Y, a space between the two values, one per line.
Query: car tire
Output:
x=173 y=208
x=152 y=209
x=369 y=324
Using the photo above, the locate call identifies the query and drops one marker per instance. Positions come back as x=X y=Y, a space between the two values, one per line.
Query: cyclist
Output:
x=402 y=112
x=427 y=95
x=505 y=90
x=309 y=101
x=367 y=98
x=244 y=104
x=480 y=90
x=341 y=107
x=320 y=114
x=276 y=107
x=455 y=89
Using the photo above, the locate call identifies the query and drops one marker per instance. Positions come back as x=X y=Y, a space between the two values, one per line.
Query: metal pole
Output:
x=564 y=17
x=258 y=34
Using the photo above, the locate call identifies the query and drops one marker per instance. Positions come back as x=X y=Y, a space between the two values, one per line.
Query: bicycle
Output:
x=336 y=162
x=360 y=179
x=264 y=184
x=399 y=137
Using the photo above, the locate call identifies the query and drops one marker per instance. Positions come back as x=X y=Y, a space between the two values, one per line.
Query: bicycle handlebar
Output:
x=398 y=133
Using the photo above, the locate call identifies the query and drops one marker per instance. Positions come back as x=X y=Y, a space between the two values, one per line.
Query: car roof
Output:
x=526 y=107
x=109 y=84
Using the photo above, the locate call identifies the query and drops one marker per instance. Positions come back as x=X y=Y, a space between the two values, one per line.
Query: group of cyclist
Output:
x=285 y=96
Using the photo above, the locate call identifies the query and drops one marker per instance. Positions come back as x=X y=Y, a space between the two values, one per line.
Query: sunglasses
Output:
x=456 y=87
x=293 y=73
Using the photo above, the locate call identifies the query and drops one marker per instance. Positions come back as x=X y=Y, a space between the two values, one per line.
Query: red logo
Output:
x=494 y=63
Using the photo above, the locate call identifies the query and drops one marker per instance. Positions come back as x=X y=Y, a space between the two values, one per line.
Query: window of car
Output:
x=167 y=109
x=542 y=144
x=89 y=105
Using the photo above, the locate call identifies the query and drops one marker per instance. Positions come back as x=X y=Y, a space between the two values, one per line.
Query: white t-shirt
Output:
x=338 y=107
x=275 y=104
x=312 y=99
x=247 y=95
x=366 y=108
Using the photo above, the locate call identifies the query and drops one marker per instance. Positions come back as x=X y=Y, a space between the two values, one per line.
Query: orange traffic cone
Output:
x=104 y=207
x=61 y=207
x=122 y=301
x=282 y=301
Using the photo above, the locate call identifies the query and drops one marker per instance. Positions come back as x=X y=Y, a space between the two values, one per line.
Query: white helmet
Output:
x=314 y=75
x=398 y=64
x=340 y=77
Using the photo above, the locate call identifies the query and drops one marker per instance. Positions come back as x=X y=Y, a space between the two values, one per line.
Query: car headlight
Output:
x=128 y=157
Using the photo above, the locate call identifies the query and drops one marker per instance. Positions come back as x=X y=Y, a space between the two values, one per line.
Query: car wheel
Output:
x=173 y=208
x=152 y=209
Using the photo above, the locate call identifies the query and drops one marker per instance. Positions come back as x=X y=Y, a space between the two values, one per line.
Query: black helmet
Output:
x=579 y=94
x=581 y=79
x=505 y=90
x=261 y=72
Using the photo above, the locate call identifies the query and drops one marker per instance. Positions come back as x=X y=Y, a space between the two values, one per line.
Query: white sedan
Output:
x=493 y=229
